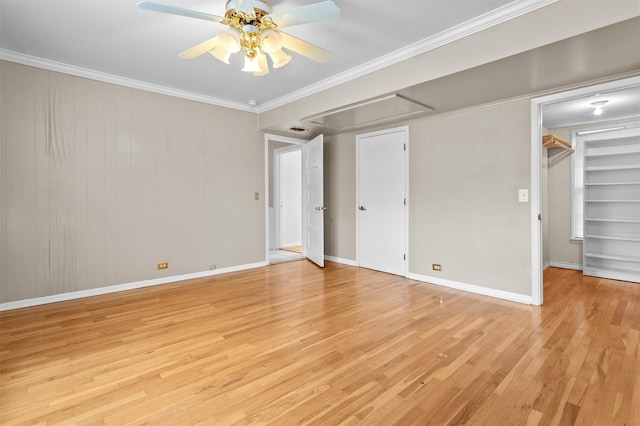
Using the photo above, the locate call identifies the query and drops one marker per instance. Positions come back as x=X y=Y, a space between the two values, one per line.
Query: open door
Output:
x=313 y=189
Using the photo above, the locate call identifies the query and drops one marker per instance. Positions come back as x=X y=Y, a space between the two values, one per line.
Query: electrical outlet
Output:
x=256 y=196
x=436 y=267
x=163 y=265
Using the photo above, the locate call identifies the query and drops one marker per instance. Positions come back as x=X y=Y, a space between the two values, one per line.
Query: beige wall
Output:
x=101 y=182
x=465 y=172
x=340 y=196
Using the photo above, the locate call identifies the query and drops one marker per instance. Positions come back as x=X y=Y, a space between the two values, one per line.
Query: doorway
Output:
x=381 y=215
x=537 y=176
x=287 y=204
x=294 y=210
x=287 y=199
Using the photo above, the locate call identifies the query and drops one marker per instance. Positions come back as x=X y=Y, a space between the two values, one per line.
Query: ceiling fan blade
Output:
x=263 y=64
x=316 y=12
x=199 y=49
x=173 y=10
x=305 y=48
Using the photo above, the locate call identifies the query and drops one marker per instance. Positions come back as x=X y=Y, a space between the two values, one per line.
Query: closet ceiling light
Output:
x=598 y=107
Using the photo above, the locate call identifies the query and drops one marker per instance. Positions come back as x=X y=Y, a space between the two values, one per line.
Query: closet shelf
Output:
x=552 y=141
x=619 y=257
x=606 y=237
x=612 y=154
x=592 y=219
x=611 y=168
x=612 y=201
x=611 y=183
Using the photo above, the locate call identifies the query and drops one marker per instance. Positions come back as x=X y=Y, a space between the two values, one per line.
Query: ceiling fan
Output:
x=254 y=30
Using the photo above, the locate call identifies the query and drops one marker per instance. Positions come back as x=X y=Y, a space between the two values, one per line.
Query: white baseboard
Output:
x=546 y=266
x=122 y=287
x=472 y=288
x=340 y=260
x=565 y=265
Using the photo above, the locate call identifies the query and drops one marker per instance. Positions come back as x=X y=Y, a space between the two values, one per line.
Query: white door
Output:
x=381 y=213
x=313 y=205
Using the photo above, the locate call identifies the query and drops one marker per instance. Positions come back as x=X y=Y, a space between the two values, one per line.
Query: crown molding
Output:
x=60 y=67
x=475 y=25
x=480 y=23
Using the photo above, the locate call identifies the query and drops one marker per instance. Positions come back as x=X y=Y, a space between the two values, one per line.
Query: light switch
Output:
x=523 y=195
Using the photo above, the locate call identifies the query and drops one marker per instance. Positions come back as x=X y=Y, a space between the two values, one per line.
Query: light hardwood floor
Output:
x=295 y=249
x=292 y=343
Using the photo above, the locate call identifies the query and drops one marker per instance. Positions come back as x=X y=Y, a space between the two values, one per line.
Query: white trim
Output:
x=406 y=199
x=47 y=64
x=546 y=266
x=536 y=164
x=565 y=265
x=472 y=288
x=123 y=287
x=475 y=25
x=537 y=295
x=347 y=262
x=577 y=169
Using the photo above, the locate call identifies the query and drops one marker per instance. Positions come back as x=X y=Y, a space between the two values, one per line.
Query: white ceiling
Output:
x=116 y=41
x=621 y=104
x=115 y=37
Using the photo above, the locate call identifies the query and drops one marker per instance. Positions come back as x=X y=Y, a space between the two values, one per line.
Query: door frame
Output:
x=277 y=186
x=404 y=129
x=276 y=138
x=537 y=284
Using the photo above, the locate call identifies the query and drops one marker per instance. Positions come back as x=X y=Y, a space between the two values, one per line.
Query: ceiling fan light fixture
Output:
x=279 y=58
x=221 y=54
x=254 y=29
x=262 y=64
x=251 y=65
x=230 y=39
x=271 y=41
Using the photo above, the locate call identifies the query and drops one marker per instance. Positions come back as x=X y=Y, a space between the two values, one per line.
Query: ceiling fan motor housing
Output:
x=261 y=8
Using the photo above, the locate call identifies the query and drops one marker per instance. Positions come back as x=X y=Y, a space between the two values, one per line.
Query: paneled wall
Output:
x=100 y=182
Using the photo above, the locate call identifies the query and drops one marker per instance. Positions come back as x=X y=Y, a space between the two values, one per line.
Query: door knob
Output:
x=362 y=208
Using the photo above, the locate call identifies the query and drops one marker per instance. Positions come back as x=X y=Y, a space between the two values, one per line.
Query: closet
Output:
x=611 y=243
